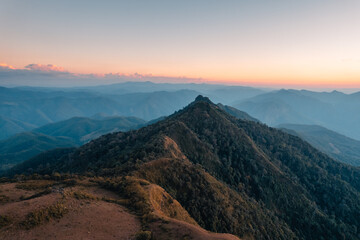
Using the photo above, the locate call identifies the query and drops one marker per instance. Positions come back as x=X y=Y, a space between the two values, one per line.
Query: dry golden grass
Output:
x=82 y=195
x=165 y=206
x=35 y=184
x=44 y=215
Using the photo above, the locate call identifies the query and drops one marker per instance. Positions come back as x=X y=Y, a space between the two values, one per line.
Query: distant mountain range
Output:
x=82 y=129
x=334 y=110
x=338 y=146
x=69 y=133
x=230 y=175
x=9 y=127
x=218 y=93
x=22 y=109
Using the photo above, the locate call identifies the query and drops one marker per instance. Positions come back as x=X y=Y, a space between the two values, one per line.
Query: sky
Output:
x=256 y=42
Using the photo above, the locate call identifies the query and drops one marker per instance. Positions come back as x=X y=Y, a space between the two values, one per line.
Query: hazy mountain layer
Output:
x=34 y=107
x=336 y=111
x=338 y=146
x=9 y=127
x=68 y=133
x=25 y=145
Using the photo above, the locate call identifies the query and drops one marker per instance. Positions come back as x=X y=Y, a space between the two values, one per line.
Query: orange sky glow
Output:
x=263 y=43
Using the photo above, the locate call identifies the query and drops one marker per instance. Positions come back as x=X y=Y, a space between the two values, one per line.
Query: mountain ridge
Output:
x=230 y=174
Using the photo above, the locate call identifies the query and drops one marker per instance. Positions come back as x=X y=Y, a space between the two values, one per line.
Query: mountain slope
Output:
x=9 y=127
x=72 y=132
x=338 y=146
x=64 y=207
x=231 y=175
x=82 y=129
x=237 y=113
x=68 y=133
x=26 y=145
x=152 y=105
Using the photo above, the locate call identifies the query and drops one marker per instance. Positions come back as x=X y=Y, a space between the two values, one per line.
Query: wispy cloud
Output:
x=45 y=68
x=52 y=75
x=6 y=66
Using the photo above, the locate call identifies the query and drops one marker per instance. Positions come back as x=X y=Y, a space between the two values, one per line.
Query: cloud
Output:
x=6 y=66
x=45 y=68
x=52 y=75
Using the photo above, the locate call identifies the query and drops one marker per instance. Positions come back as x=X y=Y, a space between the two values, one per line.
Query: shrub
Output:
x=83 y=195
x=4 y=199
x=41 y=216
x=4 y=221
x=143 y=235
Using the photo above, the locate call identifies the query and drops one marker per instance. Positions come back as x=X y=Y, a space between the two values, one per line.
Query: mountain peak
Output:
x=202 y=99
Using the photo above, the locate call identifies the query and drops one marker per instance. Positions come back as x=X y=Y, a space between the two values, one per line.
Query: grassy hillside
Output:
x=96 y=208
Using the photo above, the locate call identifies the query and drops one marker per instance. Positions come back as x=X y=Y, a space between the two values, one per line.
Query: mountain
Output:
x=82 y=129
x=69 y=133
x=153 y=105
x=230 y=175
x=43 y=107
x=35 y=107
x=73 y=132
x=333 y=110
x=10 y=127
x=217 y=92
x=336 y=145
x=26 y=145
x=237 y=113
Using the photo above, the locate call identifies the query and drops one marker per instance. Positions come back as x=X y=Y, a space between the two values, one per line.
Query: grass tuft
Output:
x=44 y=215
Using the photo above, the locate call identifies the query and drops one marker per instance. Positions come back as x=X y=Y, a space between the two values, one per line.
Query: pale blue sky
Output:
x=244 y=41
